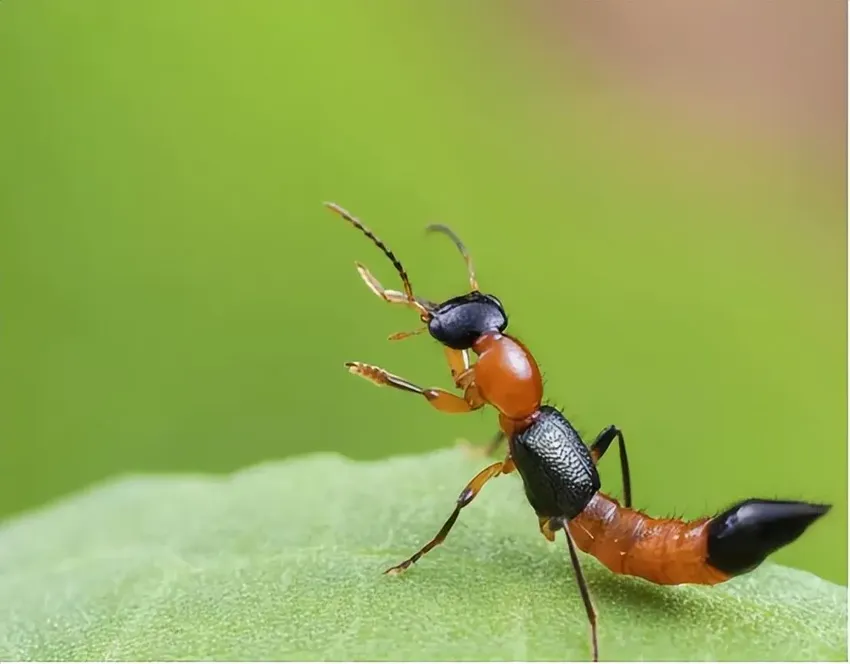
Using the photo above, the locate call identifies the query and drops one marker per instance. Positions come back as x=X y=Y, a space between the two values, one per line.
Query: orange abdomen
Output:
x=664 y=551
x=507 y=376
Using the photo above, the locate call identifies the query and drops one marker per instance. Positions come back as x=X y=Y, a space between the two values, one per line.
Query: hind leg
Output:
x=600 y=446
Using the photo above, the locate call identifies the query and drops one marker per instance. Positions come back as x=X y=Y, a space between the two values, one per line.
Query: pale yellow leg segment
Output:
x=466 y=496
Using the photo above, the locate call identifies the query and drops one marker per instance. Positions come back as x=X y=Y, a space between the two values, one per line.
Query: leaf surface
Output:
x=284 y=560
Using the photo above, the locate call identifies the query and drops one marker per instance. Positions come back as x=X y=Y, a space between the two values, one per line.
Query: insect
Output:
x=558 y=470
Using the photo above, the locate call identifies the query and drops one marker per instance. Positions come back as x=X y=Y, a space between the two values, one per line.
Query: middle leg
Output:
x=466 y=496
x=459 y=365
x=464 y=376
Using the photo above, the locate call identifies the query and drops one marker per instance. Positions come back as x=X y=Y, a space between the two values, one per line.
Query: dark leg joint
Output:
x=556 y=523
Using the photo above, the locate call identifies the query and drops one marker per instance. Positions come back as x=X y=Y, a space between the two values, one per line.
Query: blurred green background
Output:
x=175 y=298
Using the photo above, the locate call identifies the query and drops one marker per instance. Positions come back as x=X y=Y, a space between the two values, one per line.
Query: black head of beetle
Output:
x=458 y=322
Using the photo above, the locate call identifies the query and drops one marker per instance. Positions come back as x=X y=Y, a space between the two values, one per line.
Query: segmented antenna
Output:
x=442 y=228
x=408 y=289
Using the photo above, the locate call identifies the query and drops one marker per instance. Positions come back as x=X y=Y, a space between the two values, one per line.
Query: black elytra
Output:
x=460 y=321
x=741 y=538
x=557 y=470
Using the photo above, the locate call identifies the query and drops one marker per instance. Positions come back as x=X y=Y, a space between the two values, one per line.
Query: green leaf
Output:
x=284 y=561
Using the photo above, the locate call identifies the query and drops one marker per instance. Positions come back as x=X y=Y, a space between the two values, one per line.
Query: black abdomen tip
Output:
x=741 y=538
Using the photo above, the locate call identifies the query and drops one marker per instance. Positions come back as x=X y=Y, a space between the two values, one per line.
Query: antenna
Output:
x=408 y=289
x=442 y=228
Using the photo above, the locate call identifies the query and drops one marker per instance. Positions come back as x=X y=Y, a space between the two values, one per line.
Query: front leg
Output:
x=441 y=399
x=458 y=361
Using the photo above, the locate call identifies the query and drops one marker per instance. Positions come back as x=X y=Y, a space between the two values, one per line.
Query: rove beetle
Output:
x=557 y=469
